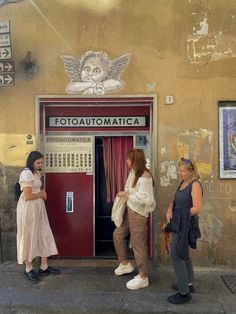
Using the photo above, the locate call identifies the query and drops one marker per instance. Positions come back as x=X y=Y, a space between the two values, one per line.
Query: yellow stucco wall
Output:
x=15 y=148
x=157 y=34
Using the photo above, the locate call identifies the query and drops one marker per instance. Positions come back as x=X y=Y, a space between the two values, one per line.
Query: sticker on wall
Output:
x=94 y=73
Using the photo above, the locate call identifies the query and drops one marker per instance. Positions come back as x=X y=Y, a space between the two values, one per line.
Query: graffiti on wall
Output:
x=204 y=46
x=95 y=73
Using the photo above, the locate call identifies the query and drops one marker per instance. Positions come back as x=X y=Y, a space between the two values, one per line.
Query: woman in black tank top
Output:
x=183 y=224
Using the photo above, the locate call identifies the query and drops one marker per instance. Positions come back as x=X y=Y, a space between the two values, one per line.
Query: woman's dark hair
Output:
x=35 y=155
x=138 y=163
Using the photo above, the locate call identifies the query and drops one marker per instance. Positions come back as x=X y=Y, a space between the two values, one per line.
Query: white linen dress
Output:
x=34 y=235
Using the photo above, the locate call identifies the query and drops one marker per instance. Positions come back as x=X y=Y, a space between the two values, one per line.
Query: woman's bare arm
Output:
x=197 y=198
x=29 y=196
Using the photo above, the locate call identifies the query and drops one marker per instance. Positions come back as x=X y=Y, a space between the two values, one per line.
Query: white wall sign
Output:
x=68 y=153
x=104 y=122
x=4 y=27
x=5 y=40
x=7 y=75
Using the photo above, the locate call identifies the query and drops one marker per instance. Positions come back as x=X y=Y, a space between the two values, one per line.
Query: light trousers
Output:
x=135 y=225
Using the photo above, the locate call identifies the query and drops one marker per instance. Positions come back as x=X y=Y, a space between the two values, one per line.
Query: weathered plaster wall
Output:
x=185 y=48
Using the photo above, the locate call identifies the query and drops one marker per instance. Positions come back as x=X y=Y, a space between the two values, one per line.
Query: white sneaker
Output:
x=137 y=282
x=124 y=269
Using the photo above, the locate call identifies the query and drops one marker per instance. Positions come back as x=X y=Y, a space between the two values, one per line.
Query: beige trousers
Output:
x=136 y=225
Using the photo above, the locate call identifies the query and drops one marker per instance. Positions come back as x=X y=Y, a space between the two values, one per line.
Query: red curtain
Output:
x=115 y=151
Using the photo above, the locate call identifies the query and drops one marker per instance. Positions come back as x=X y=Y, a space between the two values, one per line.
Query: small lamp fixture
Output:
x=30 y=66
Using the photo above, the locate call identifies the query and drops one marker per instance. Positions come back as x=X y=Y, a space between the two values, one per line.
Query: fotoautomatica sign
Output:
x=104 y=122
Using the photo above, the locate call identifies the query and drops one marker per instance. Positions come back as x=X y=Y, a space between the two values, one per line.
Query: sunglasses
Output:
x=188 y=162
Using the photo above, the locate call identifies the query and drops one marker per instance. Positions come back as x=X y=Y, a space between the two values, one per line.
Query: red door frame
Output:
x=122 y=102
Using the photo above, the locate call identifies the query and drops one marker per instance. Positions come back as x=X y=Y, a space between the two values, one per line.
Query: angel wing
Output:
x=72 y=67
x=119 y=64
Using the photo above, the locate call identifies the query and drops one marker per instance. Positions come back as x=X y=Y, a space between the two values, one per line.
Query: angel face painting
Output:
x=94 y=70
x=94 y=73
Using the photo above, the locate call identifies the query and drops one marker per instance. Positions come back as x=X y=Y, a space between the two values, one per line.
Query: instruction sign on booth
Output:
x=68 y=153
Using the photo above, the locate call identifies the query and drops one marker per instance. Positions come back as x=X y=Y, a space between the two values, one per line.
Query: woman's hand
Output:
x=43 y=195
x=169 y=212
x=169 y=215
x=123 y=194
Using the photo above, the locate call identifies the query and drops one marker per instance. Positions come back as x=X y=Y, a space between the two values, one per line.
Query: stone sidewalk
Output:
x=89 y=286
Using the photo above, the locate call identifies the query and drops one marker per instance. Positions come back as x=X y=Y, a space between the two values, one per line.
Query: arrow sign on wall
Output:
x=7 y=79
x=5 y=53
x=7 y=66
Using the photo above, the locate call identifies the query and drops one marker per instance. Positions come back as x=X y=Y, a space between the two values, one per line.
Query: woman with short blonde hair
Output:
x=182 y=221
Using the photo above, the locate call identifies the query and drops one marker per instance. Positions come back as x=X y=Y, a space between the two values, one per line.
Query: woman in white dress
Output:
x=34 y=235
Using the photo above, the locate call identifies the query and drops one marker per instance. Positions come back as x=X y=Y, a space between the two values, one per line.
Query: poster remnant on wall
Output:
x=94 y=73
x=68 y=153
x=227 y=139
x=197 y=146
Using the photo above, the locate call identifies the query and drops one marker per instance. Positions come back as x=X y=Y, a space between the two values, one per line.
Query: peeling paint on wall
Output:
x=203 y=27
x=198 y=146
x=203 y=46
x=168 y=173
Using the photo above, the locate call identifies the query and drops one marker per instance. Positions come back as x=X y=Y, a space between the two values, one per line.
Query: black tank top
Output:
x=183 y=198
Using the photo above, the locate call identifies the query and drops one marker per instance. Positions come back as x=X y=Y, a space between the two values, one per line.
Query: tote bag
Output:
x=118 y=209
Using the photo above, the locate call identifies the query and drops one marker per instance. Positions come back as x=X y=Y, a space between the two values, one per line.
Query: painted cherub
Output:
x=94 y=73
